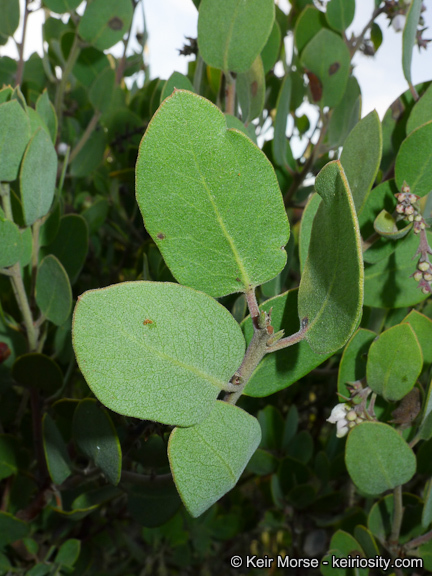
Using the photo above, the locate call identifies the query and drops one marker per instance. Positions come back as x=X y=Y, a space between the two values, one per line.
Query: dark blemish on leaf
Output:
x=315 y=86
x=238 y=280
x=115 y=23
x=254 y=88
x=147 y=321
x=161 y=236
x=304 y=323
x=333 y=68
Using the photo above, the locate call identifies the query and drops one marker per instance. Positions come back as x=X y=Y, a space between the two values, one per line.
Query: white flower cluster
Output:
x=345 y=418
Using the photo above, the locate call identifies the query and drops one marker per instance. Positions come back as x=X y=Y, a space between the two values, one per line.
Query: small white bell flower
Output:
x=398 y=22
x=338 y=416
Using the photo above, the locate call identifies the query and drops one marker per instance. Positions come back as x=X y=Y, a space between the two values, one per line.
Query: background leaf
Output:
x=11 y=243
x=14 y=136
x=414 y=161
x=57 y=457
x=176 y=80
x=352 y=366
x=208 y=459
x=190 y=207
x=53 y=290
x=138 y=343
x=409 y=37
x=331 y=288
x=251 y=91
x=340 y=14
x=421 y=112
x=105 y=22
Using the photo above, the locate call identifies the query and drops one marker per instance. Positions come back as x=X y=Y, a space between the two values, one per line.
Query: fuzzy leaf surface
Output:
x=414 y=161
x=14 y=136
x=149 y=350
x=208 y=459
x=193 y=179
x=53 y=290
x=331 y=287
x=105 y=22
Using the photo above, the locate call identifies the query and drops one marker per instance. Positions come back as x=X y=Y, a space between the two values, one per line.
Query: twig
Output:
x=413 y=92
x=289 y=340
x=20 y=67
x=416 y=542
x=397 y=520
x=230 y=93
x=360 y=38
x=73 y=55
x=252 y=306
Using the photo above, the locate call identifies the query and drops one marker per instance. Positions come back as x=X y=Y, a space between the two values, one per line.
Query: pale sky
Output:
x=169 y=21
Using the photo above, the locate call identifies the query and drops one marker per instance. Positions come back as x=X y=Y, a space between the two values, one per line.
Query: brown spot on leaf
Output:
x=161 y=236
x=315 y=86
x=238 y=280
x=5 y=352
x=408 y=409
x=254 y=88
x=115 y=23
x=333 y=68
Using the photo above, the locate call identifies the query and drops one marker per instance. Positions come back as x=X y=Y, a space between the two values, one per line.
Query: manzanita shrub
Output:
x=213 y=353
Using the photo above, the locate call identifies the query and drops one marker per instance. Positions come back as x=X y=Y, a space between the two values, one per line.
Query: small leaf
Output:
x=11 y=243
x=97 y=438
x=414 y=161
x=361 y=157
x=208 y=459
x=101 y=90
x=154 y=503
x=376 y=36
x=339 y=15
x=422 y=326
x=272 y=424
x=385 y=225
x=62 y=6
x=308 y=24
x=251 y=91
x=231 y=34
x=327 y=56
x=139 y=343
x=105 y=22
x=57 y=457
x=394 y=362
x=38 y=371
x=68 y=553
x=378 y=458
x=280 y=143
x=270 y=52
x=37 y=177
x=308 y=217
x=190 y=206
x=343 y=545
x=12 y=529
x=9 y=19
x=331 y=287
x=46 y=111
x=280 y=369
x=346 y=114
x=421 y=112
x=89 y=65
x=409 y=37
x=14 y=136
x=352 y=366
x=366 y=540
x=175 y=81
x=53 y=290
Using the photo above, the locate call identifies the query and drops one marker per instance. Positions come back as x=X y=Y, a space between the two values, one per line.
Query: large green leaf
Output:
x=14 y=136
x=414 y=161
x=328 y=57
x=208 y=459
x=352 y=366
x=231 y=34
x=105 y=22
x=156 y=351
x=193 y=178
x=53 y=290
x=394 y=362
x=409 y=37
x=340 y=14
x=9 y=19
x=97 y=438
x=11 y=243
x=279 y=370
x=251 y=91
x=331 y=287
x=361 y=157
x=378 y=458
x=38 y=177
x=388 y=283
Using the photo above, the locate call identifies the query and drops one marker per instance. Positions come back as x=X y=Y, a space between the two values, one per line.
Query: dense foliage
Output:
x=169 y=391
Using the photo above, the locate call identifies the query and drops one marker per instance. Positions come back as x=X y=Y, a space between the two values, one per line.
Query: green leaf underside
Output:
x=105 y=22
x=280 y=369
x=409 y=37
x=10 y=242
x=327 y=56
x=37 y=177
x=361 y=157
x=97 y=438
x=14 y=136
x=53 y=290
x=414 y=161
x=331 y=288
x=193 y=179
x=388 y=461
x=208 y=459
x=232 y=33
x=352 y=366
x=388 y=283
x=394 y=362
x=156 y=351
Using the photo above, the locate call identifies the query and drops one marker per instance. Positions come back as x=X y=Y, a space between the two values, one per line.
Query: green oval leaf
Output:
x=148 y=350
x=414 y=161
x=251 y=91
x=346 y=114
x=46 y=111
x=105 y=22
x=68 y=552
x=53 y=290
x=378 y=458
x=352 y=366
x=308 y=24
x=9 y=19
x=11 y=243
x=12 y=529
x=14 y=136
x=38 y=177
x=394 y=362
x=270 y=52
x=421 y=112
x=190 y=206
x=331 y=287
x=409 y=37
x=176 y=80
x=327 y=56
x=361 y=157
x=56 y=455
x=62 y=6
x=208 y=459
x=339 y=15
x=385 y=225
x=97 y=438
x=280 y=369
x=231 y=34
x=422 y=326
